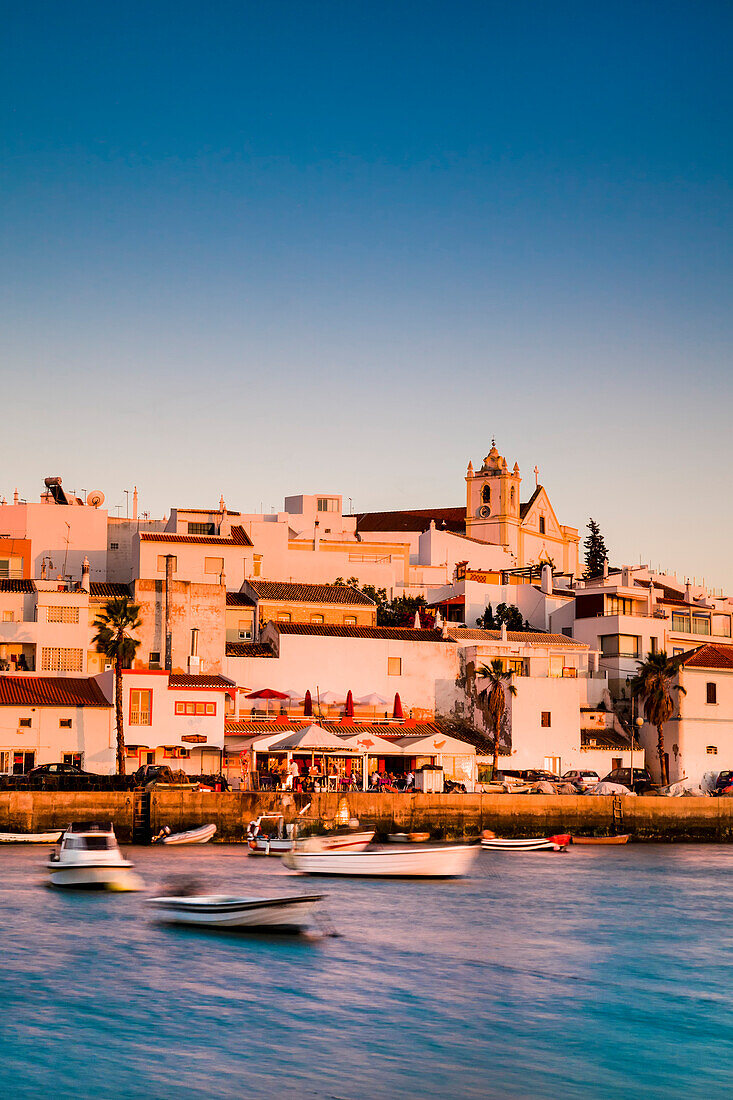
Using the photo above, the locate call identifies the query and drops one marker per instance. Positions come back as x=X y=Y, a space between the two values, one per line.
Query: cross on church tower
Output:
x=537 y=477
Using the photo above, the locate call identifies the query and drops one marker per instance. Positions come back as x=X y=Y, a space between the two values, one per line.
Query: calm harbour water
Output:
x=596 y=973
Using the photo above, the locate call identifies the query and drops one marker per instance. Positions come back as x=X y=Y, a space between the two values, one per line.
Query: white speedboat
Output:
x=449 y=861
x=89 y=856
x=31 y=838
x=201 y=835
x=283 y=914
x=269 y=836
x=557 y=843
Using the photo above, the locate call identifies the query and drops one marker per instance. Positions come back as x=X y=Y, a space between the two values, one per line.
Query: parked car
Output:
x=539 y=775
x=44 y=770
x=583 y=780
x=643 y=782
x=725 y=779
x=153 y=773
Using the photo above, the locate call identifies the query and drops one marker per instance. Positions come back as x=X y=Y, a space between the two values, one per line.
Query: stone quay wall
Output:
x=444 y=815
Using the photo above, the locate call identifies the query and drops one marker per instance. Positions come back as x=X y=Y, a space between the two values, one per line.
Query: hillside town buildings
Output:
x=232 y=603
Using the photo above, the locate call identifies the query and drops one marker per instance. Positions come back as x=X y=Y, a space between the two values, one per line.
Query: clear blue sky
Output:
x=256 y=249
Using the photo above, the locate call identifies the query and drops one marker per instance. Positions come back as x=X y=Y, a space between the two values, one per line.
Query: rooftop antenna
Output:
x=66 y=555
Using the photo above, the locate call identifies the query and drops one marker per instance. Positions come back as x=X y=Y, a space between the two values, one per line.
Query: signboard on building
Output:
x=194 y=738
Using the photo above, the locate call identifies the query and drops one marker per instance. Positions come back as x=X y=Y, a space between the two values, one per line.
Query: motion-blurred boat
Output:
x=281 y=914
x=624 y=838
x=268 y=836
x=437 y=862
x=193 y=836
x=538 y=844
x=31 y=838
x=89 y=856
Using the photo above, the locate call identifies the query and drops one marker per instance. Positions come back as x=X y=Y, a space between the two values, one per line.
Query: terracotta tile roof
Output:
x=206 y=511
x=604 y=739
x=343 y=594
x=529 y=637
x=240 y=727
x=191 y=680
x=238 y=537
x=383 y=633
x=7 y=584
x=711 y=655
x=248 y=649
x=50 y=691
x=413 y=519
x=106 y=590
x=239 y=599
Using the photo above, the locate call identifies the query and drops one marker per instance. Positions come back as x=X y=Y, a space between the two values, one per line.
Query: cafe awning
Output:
x=312 y=738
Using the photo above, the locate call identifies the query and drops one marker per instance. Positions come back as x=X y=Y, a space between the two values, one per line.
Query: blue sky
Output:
x=260 y=249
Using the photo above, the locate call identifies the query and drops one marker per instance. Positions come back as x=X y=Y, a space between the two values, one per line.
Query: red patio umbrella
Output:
x=349 y=705
x=397 y=713
x=267 y=693
x=308 y=705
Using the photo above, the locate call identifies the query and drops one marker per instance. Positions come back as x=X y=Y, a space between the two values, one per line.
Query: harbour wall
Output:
x=444 y=815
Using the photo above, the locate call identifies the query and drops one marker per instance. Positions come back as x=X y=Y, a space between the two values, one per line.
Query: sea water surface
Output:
x=594 y=973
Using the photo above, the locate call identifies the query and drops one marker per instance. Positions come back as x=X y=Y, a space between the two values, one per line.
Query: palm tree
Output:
x=653 y=684
x=499 y=683
x=114 y=624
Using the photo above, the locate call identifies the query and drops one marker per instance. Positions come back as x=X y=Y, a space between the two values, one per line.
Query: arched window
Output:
x=486 y=494
x=512 y=495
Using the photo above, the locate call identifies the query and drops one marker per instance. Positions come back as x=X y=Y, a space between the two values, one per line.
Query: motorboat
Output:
x=556 y=843
x=89 y=856
x=31 y=838
x=201 y=835
x=269 y=836
x=409 y=838
x=274 y=914
x=447 y=861
x=623 y=838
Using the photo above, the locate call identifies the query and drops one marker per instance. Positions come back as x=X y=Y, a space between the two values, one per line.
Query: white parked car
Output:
x=583 y=780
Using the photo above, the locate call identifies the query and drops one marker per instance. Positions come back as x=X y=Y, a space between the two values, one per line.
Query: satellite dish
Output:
x=95 y=498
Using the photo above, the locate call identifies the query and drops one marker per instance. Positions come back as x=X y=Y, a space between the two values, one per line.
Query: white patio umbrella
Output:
x=312 y=738
x=292 y=694
x=373 y=700
x=329 y=697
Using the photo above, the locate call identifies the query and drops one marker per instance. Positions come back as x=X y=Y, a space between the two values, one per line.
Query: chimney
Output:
x=546 y=579
x=85 y=575
x=134 y=503
x=503 y=632
x=688 y=592
x=15 y=496
x=605 y=568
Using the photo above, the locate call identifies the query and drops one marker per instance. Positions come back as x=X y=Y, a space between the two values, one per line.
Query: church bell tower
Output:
x=492 y=501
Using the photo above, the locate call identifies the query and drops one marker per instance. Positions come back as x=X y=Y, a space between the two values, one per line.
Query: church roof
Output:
x=413 y=519
x=524 y=508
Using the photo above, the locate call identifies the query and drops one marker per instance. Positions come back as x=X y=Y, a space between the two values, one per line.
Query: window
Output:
x=567 y=631
x=654 y=645
x=681 y=622
x=161 y=562
x=25 y=723
x=64 y=723
x=62 y=614
x=619 y=645
x=711 y=693
x=73 y=758
x=394 y=666
x=328 y=504
x=283 y=616
x=556 y=666
x=546 y=719
x=200 y=709
x=114 y=546
x=7 y=616
x=711 y=750
x=201 y=529
x=4 y=761
x=349 y=620
x=517 y=666
x=23 y=762
x=62 y=660
x=214 y=565
x=619 y=605
x=700 y=624
x=542 y=525
x=721 y=626
x=486 y=494
x=677 y=651
x=257 y=564
x=141 y=705
x=316 y=618
x=153 y=659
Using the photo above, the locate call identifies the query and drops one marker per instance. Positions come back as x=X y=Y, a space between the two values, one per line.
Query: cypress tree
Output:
x=595 y=551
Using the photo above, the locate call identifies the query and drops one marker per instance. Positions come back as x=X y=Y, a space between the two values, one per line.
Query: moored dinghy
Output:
x=278 y=914
x=448 y=861
x=193 y=836
x=31 y=838
x=623 y=838
x=556 y=843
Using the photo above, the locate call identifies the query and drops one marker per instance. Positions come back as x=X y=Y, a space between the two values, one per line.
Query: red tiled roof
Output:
x=604 y=739
x=239 y=727
x=709 y=656
x=191 y=680
x=238 y=537
x=248 y=649
x=104 y=590
x=7 y=584
x=206 y=511
x=343 y=594
x=239 y=599
x=413 y=519
x=50 y=691
x=530 y=637
x=383 y=633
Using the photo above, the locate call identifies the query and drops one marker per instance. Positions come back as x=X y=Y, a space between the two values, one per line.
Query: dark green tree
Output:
x=498 y=683
x=507 y=614
x=595 y=551
x=114 y=626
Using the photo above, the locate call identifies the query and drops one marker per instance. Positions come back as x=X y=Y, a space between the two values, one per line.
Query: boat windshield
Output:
x=96 y=843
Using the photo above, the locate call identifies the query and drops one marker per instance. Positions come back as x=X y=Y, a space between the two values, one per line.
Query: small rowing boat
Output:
x=280 y=914
x=449 y=861
x=30 y=838
x=624 y=838
x=557 y=843
x=193 y=836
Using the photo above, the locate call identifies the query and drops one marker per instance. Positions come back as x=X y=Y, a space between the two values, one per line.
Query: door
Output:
x=149 y=757
x=616 y=762
x=552 y=764
x=23 y=762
